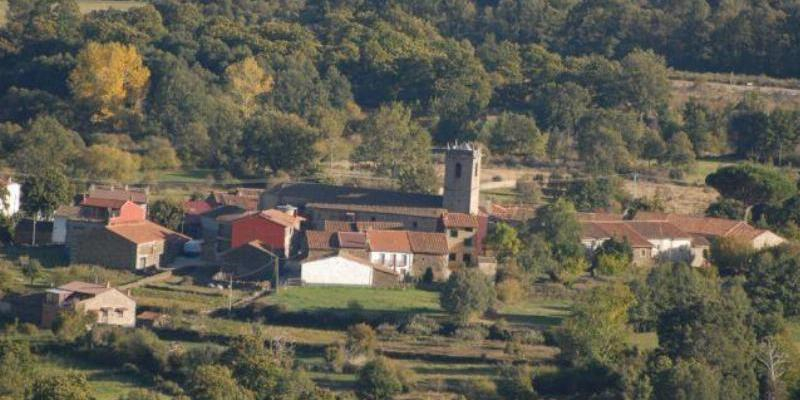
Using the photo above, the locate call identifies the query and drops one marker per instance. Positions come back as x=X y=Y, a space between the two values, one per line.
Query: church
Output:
x=455 y=214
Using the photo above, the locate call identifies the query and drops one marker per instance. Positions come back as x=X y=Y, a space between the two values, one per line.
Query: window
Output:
x=372 y=219
x=120 y=313
x=469 y=229
x=142 y=263
x=458 y=170
x=452 y=257
x=467 y=258
x=468 y=242
x=453 y=233
x=415 y=225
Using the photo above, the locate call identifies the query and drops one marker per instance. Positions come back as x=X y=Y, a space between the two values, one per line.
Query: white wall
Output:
x=59 y=230
x=336 y=271
x=400 y=262
x=12 y=202
x=767 y=239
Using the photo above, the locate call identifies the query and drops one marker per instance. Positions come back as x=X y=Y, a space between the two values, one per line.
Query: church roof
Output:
x=302 y=193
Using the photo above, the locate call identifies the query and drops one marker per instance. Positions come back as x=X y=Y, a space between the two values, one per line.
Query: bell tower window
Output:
x=458 y=170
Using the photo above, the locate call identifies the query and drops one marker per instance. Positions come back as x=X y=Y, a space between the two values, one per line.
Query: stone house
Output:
x=712 y=228
x=111 y=306
x=134 y=246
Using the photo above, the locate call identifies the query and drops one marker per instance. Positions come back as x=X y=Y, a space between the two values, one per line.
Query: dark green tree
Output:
x=467 y=292
x=168 y=213
x=379 y=379
x=69 y=386
x=43 y=193
x=216 y=382
x=752 y=184
x=278 y=141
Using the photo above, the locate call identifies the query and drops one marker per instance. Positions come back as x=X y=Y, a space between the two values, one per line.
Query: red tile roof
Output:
x=706 y=226
x=460 y=220
x=388 y=241
x=598 y=216
x=658 y=230
x=246 y=202
x=281 y=218
x=196 y=207
x=321 y=240
x=84 y=288
x=136 y=196
x=618 y=230
x=361 y=226
x=428 y=243
x=352 y=240
x=102 y=202
x=145 y=232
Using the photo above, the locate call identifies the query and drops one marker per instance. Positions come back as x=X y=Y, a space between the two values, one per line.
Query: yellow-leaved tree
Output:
x=246 y=81
x=109 y=77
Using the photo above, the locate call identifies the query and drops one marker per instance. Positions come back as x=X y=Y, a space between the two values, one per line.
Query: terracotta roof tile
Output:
x=428 y=243
x=658 y=230
x=460 y=220
x=102 y=202
x=707 y=226
x=388 y=241
x=281 y=218
x=618 y=230
x=145 y=232
x=84 y=288
x=136 y=196
x=361 y=226
x=351 y=240
x=321 y=240
x=196 y=207
x=598 y=216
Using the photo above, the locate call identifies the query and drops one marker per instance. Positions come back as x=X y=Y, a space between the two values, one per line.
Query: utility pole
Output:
x=276 y=272
x=230 y=293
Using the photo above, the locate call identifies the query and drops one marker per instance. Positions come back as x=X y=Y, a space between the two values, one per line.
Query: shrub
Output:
x=471 y=332
x=510 y=291
x=467 y=292
x=335 y=357
x=478 y=389
x=387 y=330
x=421 y=325
x=530 y=337
x=380 y=379
x=611 y=265
x=516 y=383
x=500 y=330
x=361 y=341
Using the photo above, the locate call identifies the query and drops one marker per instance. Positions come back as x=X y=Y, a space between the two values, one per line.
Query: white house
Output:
x=345 y=270
x=669 y=242
x=391 y=249
x=13 y=200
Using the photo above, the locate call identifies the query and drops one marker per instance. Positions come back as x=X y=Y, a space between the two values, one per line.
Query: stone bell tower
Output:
x=462 y=178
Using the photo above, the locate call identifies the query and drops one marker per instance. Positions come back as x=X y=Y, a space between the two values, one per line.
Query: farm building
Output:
x=343 y=269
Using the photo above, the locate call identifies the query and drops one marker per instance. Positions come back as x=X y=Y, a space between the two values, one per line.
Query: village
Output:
x=306 y=234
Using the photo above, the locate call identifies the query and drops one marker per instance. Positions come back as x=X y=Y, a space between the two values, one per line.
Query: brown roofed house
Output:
x=133 y=246
x=716 y=227
x=111 y=306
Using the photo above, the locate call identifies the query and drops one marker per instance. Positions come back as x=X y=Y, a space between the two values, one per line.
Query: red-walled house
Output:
x=111 y=211
x=272 y=228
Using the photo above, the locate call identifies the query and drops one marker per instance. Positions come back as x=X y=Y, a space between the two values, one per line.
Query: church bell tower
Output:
x=462 y=177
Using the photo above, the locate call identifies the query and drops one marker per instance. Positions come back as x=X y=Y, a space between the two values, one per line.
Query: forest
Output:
x=249 y=88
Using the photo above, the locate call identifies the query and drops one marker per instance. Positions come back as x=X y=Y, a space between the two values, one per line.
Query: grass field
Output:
x=315 y=298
